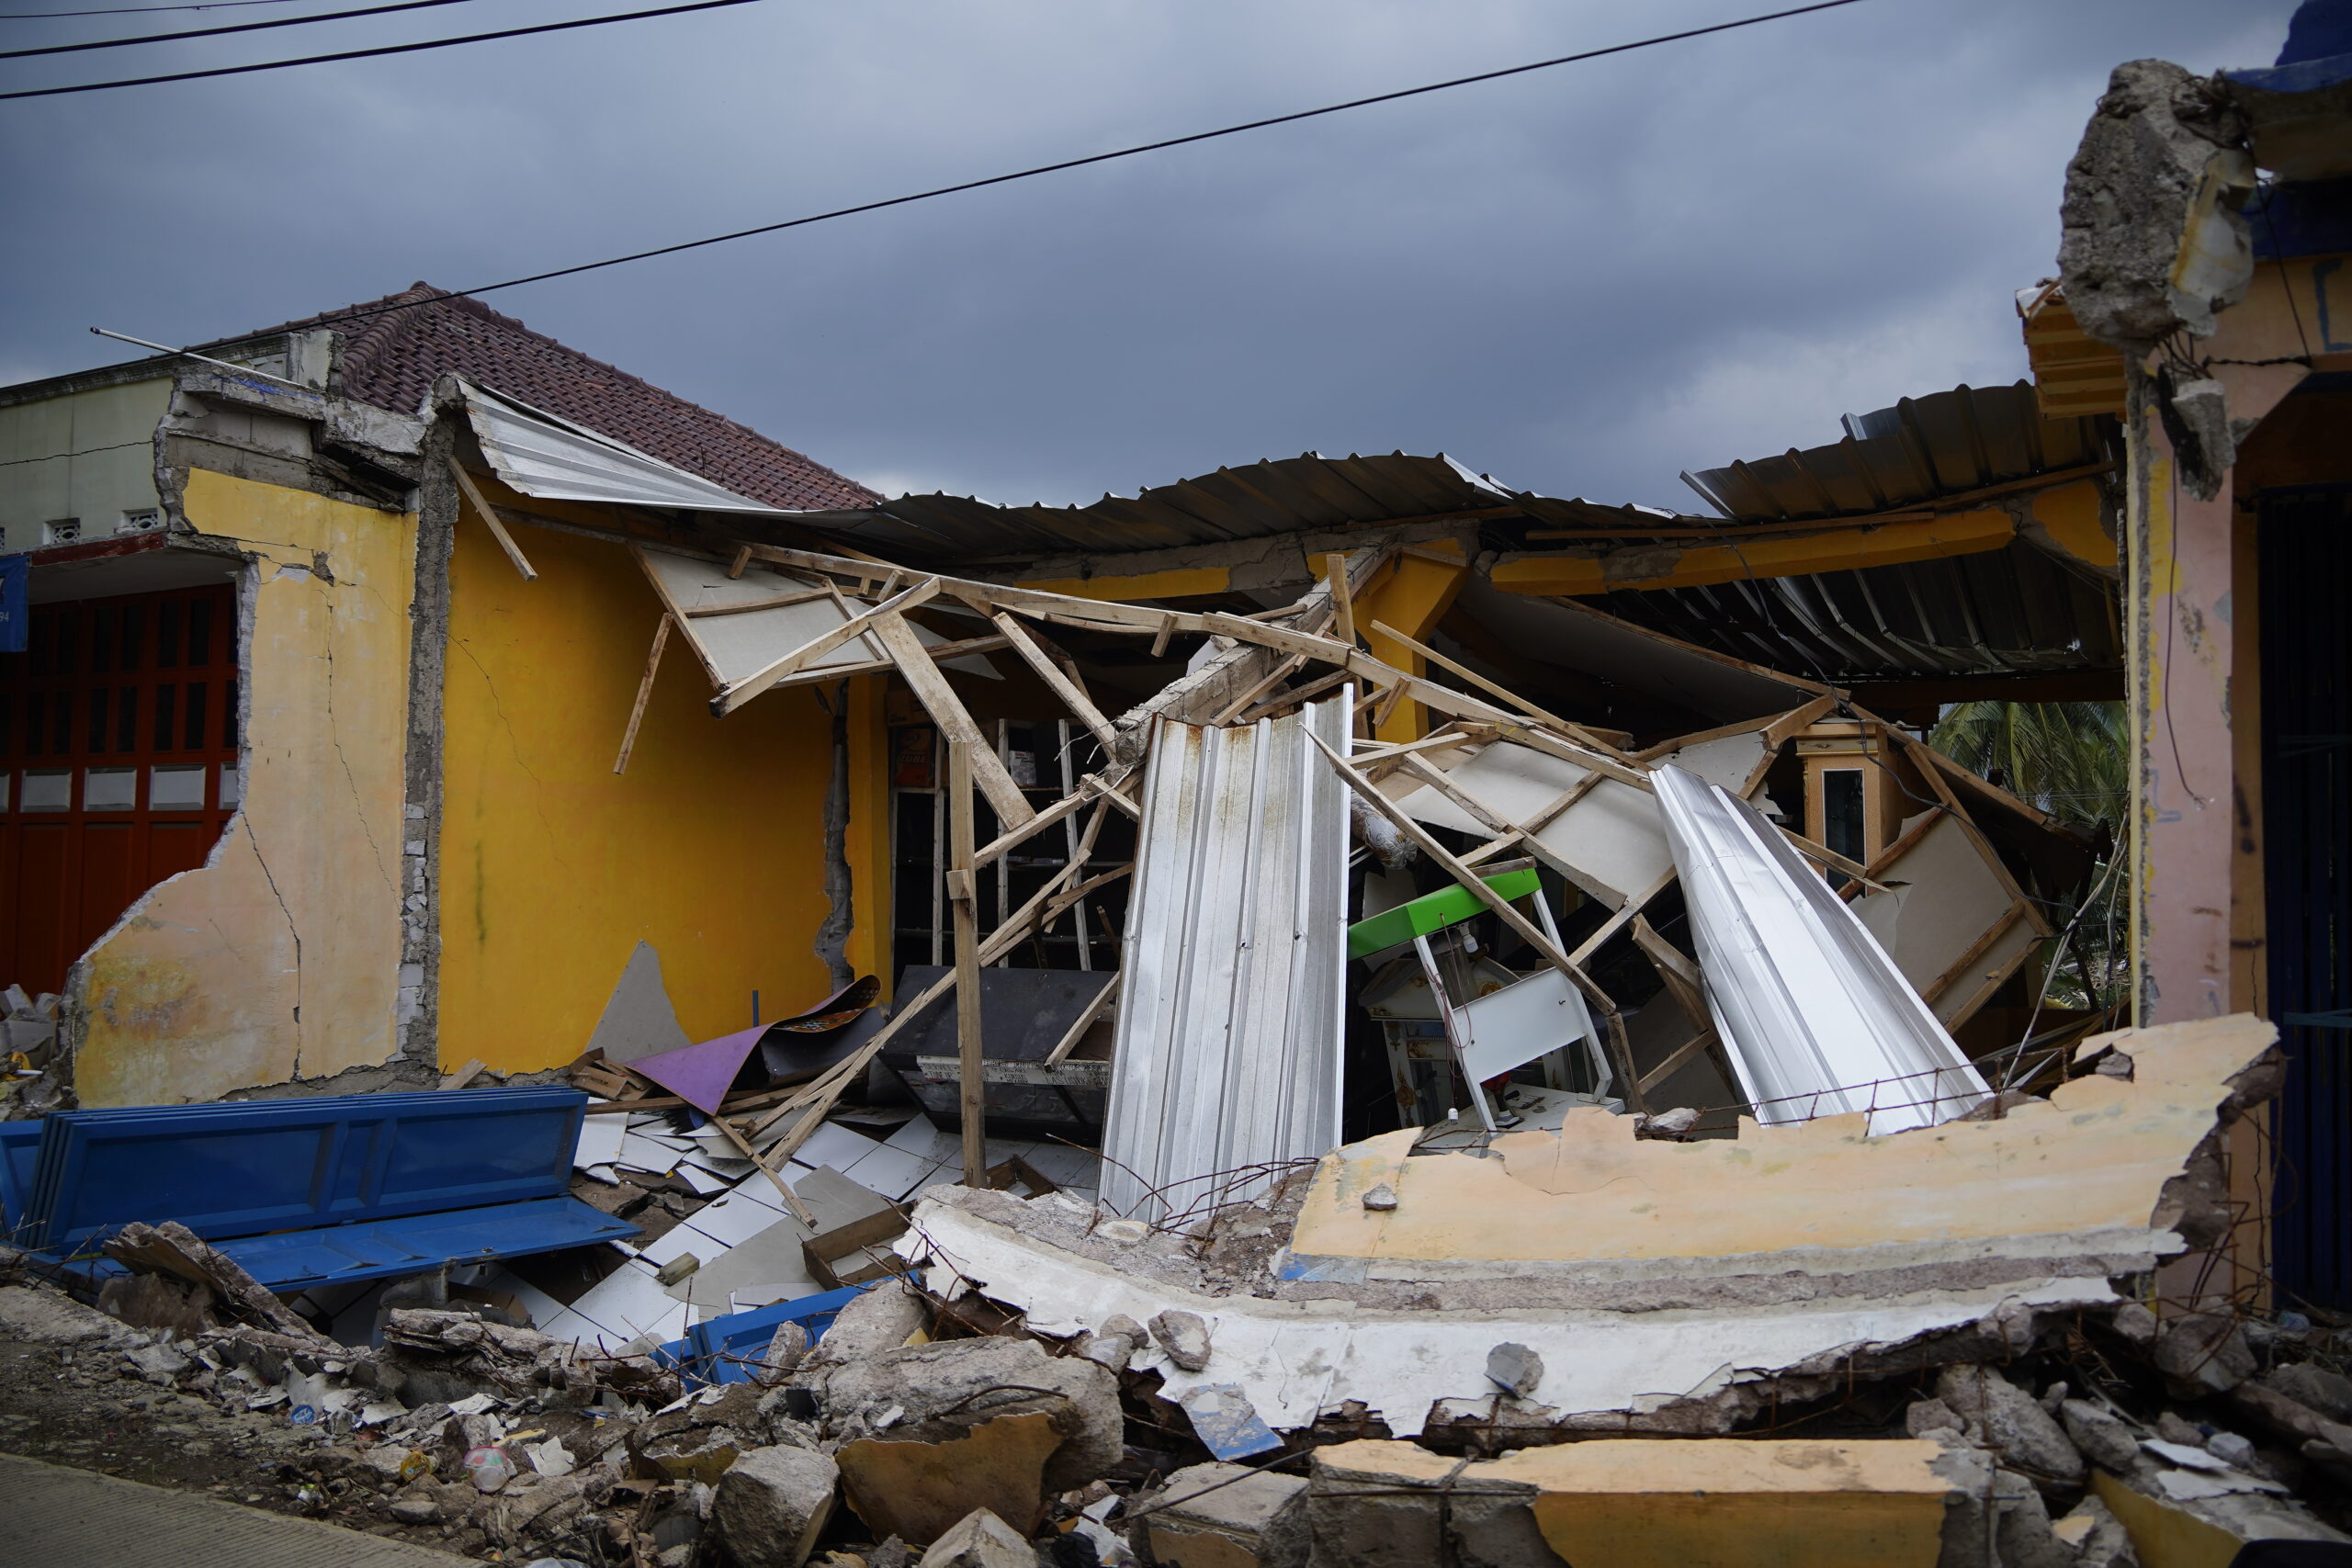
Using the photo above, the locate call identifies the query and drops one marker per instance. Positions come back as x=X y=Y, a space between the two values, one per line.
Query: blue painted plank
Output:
x=261 y=1166
x=294 y=1260
x=19 y=1158
x=723 y=1349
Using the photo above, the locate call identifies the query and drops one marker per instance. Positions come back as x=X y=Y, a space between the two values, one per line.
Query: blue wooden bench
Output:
x=304 y=1192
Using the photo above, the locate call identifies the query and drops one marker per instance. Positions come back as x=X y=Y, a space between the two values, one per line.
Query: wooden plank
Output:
x=1495 y=822
x=1343 y=603
x=1527 y=930
x=729 y=698
x=1082 y=1073
x=972 y=1087
x=465 y=1074
x=742 y=559
x=704 y=612
x=1094 y=1010
x=1067 y=806
x=1621 y=917
x=1305 y=694
x=1059 y=684
x=677 y=612
x=791 y=1199
x=947 y=711
x=1492 y=688
x=489 y=514
x=644 y=690
x=1680 y=1057
x=1271 y=678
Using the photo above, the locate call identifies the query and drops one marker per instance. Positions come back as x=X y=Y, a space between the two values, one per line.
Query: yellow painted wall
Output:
x=868 y=951
x=281 y=956
x=552 y=868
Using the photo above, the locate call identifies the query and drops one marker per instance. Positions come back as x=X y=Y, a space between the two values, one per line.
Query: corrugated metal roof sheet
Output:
x=1276 y=496
x=1230 y=1007
x=1921 y=448
x=541 y=454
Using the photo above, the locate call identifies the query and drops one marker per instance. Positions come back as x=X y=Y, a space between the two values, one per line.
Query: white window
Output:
x=141 y=520
x=175 y=788
x=48 y=789
x=60 y=531
x=110 y=789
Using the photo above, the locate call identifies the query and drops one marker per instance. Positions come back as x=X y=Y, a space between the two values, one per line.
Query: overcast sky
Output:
x=1582 y=280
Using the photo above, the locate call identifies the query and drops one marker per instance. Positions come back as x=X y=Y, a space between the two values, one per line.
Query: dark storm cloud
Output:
x=1582 y=280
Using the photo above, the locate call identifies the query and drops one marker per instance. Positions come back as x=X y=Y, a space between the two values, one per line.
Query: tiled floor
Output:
x=747 y=1231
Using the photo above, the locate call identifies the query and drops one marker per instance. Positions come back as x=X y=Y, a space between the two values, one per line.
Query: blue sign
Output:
x=15 y=616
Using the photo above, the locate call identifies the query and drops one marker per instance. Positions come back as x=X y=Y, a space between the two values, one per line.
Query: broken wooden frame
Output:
x=1267 y=663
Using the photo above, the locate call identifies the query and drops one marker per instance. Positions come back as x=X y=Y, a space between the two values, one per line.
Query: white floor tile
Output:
x=631 y=1301
x=733 y=1219
x=600 y=1140
x=923 y=1139
x=893 y=1173
x=835 y=1145
x=1063 y=1165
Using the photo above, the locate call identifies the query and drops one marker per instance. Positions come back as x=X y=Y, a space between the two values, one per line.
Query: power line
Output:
x=368 y=54
x=216 y=33
x=360 y=313
x=134 y=10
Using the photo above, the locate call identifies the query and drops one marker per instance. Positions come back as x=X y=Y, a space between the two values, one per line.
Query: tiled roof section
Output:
x=391 y=360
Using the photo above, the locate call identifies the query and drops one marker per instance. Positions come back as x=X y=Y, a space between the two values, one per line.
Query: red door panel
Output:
x=114 y=724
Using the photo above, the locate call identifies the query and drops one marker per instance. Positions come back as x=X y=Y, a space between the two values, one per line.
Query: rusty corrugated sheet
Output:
x=1230 y=1004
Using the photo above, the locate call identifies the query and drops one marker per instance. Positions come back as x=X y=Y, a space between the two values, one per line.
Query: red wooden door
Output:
x=117 y=765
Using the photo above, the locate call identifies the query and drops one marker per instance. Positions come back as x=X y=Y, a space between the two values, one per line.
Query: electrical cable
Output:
x=399 y=49
x=360 y=312
x=239 y=28
x=134 y=10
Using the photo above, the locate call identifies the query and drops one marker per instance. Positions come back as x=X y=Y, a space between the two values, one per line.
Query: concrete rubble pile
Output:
x=1965 y=1369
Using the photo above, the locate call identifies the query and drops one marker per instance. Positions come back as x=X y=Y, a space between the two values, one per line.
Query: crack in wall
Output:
x=292 y=930
x=334 y=734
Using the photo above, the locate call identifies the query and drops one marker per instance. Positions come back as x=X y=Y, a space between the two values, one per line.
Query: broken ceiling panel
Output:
x=742 y=625
x=1948 y=917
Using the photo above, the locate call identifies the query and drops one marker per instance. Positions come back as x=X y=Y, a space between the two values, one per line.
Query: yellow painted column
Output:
x=1411 y=597
x=869 y=828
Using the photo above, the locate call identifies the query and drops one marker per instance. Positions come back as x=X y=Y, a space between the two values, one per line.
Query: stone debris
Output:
x=772 y=1503
x=980 y=1539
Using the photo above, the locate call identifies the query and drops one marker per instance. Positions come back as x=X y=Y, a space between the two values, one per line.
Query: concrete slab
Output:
x=75 y=1518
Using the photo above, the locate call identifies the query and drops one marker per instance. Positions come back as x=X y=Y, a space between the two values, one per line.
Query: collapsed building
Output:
x=1335 y=1012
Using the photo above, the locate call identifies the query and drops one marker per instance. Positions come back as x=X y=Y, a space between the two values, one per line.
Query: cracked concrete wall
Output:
x=279 y=957
x=552 y=867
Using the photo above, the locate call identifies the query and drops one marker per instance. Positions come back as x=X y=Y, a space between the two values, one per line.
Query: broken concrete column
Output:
x=2013 y=1425
x=772 y=1503
x=980 y=1539
x=2152 y=242
x=943 y=1391
x=1225 y=1515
